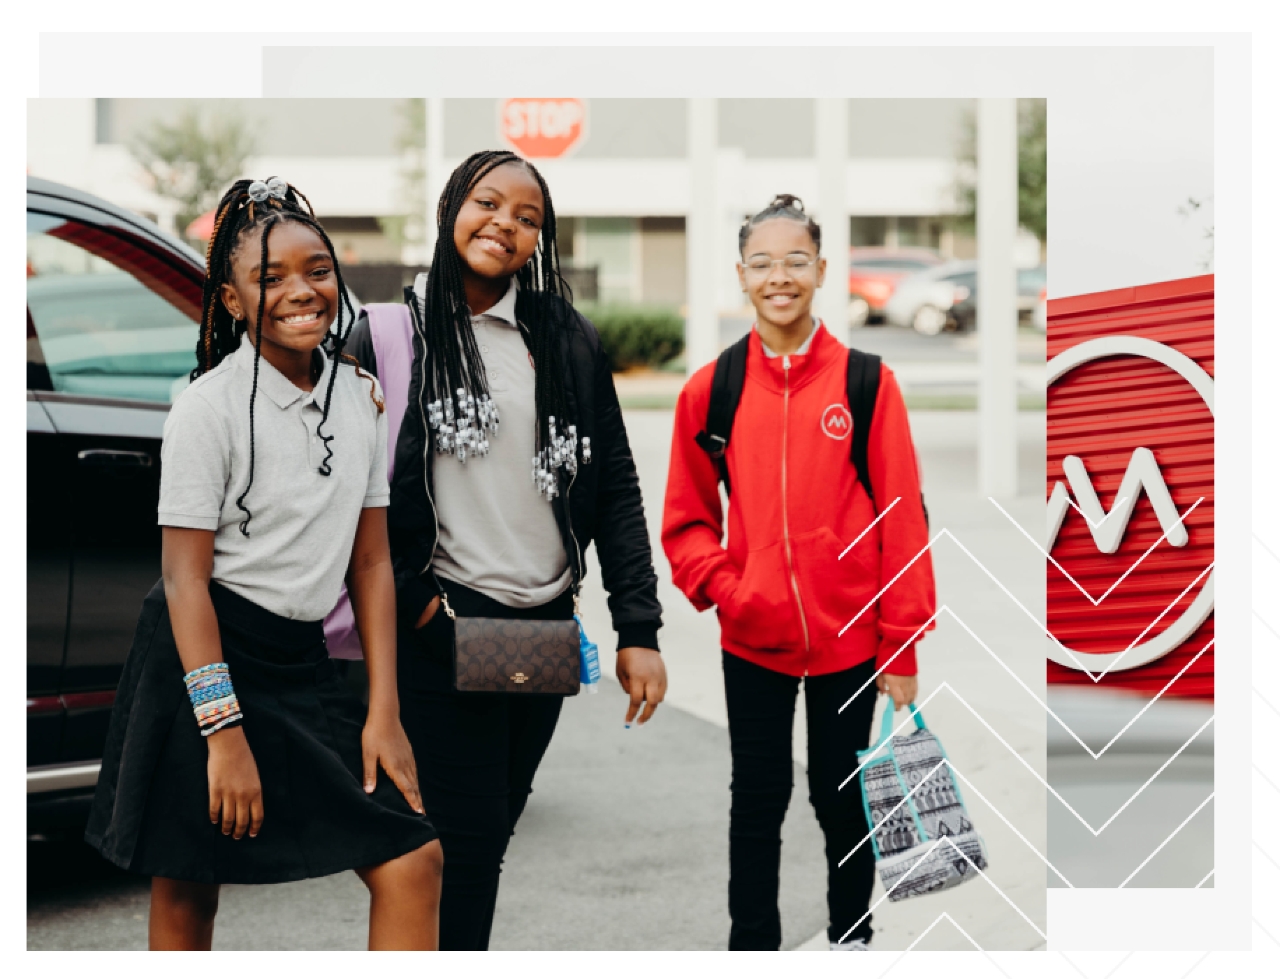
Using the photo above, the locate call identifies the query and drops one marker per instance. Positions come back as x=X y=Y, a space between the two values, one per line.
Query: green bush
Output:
x=637 y=336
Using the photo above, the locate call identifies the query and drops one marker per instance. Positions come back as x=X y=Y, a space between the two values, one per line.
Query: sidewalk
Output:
x=954 y=665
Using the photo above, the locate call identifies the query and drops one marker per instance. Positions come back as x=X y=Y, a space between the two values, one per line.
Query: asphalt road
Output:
x=624 y=845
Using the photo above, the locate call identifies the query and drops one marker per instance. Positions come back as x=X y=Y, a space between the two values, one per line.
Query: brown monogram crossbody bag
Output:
x=525 y=656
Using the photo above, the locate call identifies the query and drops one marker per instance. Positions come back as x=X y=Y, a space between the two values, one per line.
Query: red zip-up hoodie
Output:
x=782 y=590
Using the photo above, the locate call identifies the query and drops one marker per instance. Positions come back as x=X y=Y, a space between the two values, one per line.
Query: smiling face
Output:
x=497 y=229
x=301 y=286
x=783 y=294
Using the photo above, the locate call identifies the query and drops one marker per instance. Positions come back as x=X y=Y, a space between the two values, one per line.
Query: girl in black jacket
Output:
x=504 y=533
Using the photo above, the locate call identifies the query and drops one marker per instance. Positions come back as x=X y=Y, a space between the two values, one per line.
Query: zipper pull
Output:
x=786 y=362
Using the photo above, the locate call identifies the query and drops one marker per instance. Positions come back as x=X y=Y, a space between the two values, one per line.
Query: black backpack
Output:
x=862 y=385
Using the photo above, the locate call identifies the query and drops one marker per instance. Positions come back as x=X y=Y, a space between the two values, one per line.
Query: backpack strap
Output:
x=862 y=384
x=863 y=387
x=726 y=392
x=391 y=331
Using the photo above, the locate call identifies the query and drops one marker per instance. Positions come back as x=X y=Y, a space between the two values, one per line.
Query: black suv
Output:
x=113 y=306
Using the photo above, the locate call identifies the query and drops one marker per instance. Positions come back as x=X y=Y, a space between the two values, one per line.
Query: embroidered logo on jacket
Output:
x=837 y=423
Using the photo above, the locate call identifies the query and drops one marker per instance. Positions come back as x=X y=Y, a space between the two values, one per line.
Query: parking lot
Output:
x=624 y=844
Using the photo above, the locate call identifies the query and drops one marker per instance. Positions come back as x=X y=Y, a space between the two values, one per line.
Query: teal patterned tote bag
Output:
x=905 y=835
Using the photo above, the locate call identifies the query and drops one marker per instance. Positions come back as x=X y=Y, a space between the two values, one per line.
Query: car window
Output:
x=109 y=318
x=969 y=279
x=891 y=264
x=1031 y=280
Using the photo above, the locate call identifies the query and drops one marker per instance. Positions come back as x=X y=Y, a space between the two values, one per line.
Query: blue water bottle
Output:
x=589 y=655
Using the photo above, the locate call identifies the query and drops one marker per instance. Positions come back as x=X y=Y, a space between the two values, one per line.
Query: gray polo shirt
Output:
x=304 y=523
x=497 y=533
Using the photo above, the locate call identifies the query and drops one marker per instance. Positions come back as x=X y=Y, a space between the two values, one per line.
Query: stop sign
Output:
x=542 y=128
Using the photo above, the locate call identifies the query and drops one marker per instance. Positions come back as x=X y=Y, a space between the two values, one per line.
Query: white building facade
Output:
x=622 y=192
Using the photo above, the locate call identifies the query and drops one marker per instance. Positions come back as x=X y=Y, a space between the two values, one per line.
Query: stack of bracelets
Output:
x=211 y=695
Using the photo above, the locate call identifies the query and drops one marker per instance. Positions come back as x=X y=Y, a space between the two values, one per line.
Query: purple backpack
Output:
x=392 y=334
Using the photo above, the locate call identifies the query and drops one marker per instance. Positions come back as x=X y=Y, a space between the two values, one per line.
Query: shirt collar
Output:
x=804 y=347
x=282 y=391
x=505 y=308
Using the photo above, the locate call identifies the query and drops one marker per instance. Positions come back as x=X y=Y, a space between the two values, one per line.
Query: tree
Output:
x=1032 y=169
x=409 y=228
x=193 y=160
x=1190 y=210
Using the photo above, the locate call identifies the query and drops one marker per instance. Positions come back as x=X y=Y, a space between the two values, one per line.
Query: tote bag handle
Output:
x=887 y=725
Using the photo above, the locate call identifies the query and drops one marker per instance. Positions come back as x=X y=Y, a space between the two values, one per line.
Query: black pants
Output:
x=762 y=707
x=476 y=756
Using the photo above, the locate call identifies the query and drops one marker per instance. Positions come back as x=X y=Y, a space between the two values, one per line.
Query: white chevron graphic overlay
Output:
x=994 y=655
x=878 y=518
x=925 y=856
x=1138 y=869
x=983 y=721
x=959 y=774
x=1110 y=972
x=1066 y=574
x=1095 y=677
x=968 y=783
x=1143 y=472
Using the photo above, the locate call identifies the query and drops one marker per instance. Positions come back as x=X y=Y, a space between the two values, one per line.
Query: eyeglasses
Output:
x=797 y=265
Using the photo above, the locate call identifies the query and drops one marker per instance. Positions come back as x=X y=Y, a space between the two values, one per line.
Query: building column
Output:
x=831 y=118
x=997 y=226
x=702 y=325
x=434 y=164
x=730 y=177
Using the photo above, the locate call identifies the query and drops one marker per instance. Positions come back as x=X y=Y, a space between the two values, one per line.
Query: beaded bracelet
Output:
x=213 y=698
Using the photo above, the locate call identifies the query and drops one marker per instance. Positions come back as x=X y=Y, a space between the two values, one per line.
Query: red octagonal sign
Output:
x=542 y=128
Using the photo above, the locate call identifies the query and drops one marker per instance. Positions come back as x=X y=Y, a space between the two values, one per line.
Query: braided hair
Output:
x=783 y=206
x=542 y=302
x=236 y=218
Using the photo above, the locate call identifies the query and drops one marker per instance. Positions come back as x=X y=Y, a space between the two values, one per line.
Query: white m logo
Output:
x=1108 y=528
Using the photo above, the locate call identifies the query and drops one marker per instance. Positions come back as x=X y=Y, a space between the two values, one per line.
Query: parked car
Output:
x=945 y=297
x=113 y=307
x=873 y=274
x=924 y=301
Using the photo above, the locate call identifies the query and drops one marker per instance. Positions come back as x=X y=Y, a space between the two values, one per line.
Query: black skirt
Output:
x=150 y=814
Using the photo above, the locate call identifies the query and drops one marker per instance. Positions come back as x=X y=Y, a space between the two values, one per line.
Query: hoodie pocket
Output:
x=761 y=613
x=835 y=589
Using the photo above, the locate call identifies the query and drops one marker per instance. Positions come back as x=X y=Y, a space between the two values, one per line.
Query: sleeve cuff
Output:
x=188 y=521
x=414 y=596
x=642 y=634
x=901 y=664
x=721 y=583
x=376 y=501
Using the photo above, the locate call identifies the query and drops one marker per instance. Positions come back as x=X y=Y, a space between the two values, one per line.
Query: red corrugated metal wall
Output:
x=1101 y=412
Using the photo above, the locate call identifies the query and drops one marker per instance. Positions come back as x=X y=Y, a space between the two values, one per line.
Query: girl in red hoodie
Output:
x=796 y=596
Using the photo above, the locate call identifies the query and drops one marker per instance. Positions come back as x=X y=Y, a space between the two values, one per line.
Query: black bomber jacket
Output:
x=603 y=503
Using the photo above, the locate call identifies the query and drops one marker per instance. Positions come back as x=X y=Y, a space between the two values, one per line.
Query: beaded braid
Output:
x=782 y=206
x=220 y=333
x=542 y=303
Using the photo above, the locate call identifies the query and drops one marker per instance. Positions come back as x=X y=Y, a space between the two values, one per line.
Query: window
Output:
x=105 y=317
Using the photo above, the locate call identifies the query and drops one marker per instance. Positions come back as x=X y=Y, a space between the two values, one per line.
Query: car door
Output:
x=48 y=566
x=115 y=319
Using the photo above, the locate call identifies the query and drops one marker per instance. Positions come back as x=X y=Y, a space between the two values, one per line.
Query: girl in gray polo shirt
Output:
x=236 y=754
